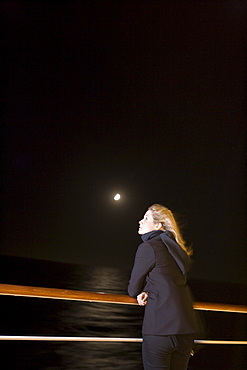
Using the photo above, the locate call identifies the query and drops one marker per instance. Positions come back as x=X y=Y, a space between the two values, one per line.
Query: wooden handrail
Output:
x=222 y=307
x=76 y=295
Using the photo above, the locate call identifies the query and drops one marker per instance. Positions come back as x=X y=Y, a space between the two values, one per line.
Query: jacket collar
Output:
x=151 y=234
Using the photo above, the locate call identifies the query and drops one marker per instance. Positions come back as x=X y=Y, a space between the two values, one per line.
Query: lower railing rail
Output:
x=105 y=339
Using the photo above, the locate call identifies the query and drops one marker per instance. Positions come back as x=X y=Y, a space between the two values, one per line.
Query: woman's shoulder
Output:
x=145 y=247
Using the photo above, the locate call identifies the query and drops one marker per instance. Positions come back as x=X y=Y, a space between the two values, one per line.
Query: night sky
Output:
x=142 y=98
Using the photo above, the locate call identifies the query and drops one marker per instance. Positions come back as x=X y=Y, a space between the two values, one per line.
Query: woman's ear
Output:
x=158 y=226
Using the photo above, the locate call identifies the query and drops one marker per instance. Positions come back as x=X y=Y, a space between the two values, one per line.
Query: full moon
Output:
x=117 y=197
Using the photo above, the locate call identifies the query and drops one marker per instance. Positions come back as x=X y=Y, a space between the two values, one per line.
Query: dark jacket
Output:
x=160 y=269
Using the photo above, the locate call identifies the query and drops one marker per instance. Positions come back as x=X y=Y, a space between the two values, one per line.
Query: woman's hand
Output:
x=142 y=299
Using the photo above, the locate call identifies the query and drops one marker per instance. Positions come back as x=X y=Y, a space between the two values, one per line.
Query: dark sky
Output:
x=144 y=98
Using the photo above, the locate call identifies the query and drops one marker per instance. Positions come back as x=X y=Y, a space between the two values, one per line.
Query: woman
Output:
x=159 y=281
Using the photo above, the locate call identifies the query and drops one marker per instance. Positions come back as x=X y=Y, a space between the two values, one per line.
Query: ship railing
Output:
x=84 y=296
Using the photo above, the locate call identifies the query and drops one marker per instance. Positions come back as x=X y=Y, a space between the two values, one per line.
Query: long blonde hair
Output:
x=164 y=216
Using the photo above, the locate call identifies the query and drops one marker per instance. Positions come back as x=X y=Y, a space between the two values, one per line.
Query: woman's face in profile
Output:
x=147 y=223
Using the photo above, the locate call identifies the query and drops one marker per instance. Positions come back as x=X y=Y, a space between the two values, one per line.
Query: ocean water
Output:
x=32 y=316
x=36 y=316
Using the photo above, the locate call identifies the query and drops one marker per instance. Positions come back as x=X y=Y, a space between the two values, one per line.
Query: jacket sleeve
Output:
x=144 y=262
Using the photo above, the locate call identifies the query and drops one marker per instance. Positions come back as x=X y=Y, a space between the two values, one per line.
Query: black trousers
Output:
x=166 y=351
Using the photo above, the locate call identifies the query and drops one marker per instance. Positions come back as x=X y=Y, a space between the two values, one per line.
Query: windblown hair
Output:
x=164 y=216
